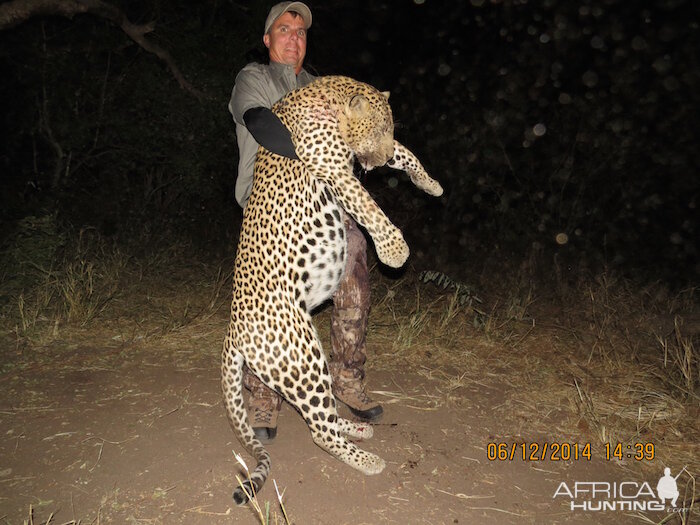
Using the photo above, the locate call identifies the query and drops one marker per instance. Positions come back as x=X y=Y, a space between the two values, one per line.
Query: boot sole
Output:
x=265 y=435
x=371 y=415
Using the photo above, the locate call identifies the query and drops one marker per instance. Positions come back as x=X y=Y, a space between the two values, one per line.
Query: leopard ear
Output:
x=386 y=94
x=357 y=106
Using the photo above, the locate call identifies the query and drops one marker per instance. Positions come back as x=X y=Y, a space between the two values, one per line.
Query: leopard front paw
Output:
x=393 y=251
x=433 y=187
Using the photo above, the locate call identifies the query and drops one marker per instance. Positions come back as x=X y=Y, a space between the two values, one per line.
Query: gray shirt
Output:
x=258 y=85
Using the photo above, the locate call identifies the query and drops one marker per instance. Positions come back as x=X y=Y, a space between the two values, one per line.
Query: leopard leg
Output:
x=326 y=432
x=232 y=385
x=313 y=397
x=403 y=159
x=355 y=430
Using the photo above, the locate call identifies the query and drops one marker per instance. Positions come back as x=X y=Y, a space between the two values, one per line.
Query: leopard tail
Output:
x=232 y=385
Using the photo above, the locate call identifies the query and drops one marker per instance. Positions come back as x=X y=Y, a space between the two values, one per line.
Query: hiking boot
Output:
x=264 y=409
x=349 y=388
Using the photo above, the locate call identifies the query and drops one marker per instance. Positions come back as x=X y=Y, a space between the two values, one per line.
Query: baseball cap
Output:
x=281 y=8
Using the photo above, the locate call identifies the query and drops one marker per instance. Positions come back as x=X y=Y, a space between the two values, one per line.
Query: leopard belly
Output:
x=324 y=249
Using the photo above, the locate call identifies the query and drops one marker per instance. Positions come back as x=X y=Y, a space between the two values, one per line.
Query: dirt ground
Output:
x=126 y=430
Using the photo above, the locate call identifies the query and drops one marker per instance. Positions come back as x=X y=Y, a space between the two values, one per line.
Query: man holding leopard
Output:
x=256 y=89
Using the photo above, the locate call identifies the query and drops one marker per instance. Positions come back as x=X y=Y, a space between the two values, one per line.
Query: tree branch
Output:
x=16 y=12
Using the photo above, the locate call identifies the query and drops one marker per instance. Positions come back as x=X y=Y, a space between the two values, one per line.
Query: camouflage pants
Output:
x=351 y=304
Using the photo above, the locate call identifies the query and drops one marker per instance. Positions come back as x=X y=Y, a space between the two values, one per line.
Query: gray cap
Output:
x=279 y=9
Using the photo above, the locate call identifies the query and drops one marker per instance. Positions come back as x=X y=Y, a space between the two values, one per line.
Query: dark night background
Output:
x=565 y=131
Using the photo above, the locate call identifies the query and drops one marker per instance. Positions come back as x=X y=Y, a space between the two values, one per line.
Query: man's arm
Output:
x=250 y=107
x=268 y=131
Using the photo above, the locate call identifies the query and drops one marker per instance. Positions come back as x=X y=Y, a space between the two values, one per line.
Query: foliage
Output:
x=33 y=246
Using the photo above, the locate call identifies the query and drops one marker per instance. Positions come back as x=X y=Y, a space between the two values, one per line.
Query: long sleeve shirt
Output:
x=258 y=85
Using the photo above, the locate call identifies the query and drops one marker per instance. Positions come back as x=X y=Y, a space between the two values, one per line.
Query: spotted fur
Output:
x=291 y=257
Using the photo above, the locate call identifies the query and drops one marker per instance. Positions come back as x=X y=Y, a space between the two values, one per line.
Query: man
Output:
x=257 y=88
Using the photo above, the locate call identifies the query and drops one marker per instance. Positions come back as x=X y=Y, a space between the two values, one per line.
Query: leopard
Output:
x=291 y=256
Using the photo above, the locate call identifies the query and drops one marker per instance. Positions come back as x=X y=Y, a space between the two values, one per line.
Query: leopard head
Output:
x=367 y=126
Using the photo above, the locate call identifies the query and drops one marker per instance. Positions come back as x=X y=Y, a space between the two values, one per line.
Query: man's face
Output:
x=286 y=41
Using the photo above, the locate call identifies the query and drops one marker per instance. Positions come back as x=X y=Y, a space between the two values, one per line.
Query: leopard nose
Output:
x=388 y=146
x=387 y=153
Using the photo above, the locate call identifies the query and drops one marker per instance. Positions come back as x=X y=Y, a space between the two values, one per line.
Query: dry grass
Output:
x=49 y=520
x=100 y=290
x=681 y=361
x=593 y=369
x=589 y=368
x=74 y=290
